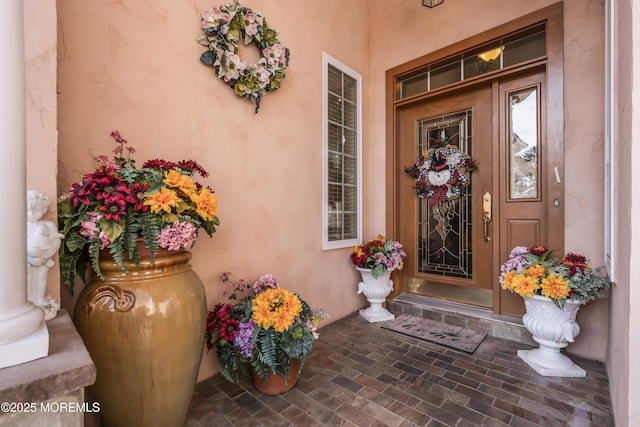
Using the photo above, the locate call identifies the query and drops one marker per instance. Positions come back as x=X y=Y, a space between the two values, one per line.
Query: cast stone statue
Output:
x=43 y=242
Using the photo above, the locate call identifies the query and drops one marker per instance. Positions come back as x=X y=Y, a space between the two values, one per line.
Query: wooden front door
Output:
x=450 y=250
x=497 y=97
x=514 y=196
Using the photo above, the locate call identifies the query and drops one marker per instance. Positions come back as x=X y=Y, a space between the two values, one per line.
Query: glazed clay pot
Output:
x=145 y=333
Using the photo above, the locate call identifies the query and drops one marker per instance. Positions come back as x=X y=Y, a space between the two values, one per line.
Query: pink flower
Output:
x=235 y=65
x=312 y=328
x=179 y=235
x=263 y=78
x=104 y=240
x=214 y=17
x=274 y=54
x=266 y=281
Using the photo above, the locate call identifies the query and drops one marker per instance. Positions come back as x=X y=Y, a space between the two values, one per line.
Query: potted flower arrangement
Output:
x=144 y=308
x=553 y=289
x=118 y=204
x=376 y=260
x=379 y=255
x=531 y=271
x=268 y=329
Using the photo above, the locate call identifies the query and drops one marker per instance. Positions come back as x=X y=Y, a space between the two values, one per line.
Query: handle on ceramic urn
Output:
x=122 y=300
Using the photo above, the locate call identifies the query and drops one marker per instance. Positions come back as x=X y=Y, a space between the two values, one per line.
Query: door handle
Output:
x=486 y=214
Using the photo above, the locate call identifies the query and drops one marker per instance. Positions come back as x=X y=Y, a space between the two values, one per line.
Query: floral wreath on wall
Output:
x=222 y=28
x=441 y=173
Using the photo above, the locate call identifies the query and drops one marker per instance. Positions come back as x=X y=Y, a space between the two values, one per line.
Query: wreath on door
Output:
x=223 y=27
x=441 y=173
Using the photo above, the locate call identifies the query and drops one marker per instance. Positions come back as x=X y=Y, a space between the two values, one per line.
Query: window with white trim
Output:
x=342 y=162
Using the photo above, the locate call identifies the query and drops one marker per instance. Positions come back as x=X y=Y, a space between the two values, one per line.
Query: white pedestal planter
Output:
x=376 y=291
x=553 y=328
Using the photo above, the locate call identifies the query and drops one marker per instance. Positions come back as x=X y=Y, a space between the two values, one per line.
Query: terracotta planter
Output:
x=145 y=334
x=277 y=384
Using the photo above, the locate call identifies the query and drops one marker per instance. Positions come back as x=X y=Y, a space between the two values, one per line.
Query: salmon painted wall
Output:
x=624 y=346
x=403 y=30
x=134 y=66
x=41 y=109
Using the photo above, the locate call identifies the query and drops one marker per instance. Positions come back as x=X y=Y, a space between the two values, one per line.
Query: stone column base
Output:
x=25 y=349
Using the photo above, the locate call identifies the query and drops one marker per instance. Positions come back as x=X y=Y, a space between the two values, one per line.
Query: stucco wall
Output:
x=624 y=375
x=134 y=66
x=41 y=108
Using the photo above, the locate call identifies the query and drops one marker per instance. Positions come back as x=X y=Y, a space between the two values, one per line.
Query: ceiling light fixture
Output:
x=432 y=3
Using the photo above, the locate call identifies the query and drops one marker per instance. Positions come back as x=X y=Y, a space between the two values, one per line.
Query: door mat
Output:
x=457 y=337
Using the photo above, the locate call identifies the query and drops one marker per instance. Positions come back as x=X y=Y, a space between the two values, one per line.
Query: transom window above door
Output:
x=514 y=49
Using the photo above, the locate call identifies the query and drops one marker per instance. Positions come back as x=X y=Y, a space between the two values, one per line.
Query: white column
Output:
x=23 y=333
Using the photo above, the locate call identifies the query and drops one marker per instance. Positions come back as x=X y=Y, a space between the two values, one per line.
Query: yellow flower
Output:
x=525 y=285
x=163 y=200
x=277 y=308
x=535 y=271
x=206 y=202
x=555 y=287
x=184 y=183
x=507 y=281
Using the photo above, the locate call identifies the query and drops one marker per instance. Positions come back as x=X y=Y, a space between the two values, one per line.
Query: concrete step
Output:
x=501 y=326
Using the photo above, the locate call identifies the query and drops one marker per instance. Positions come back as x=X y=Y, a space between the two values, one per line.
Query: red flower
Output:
x=159 y=164
x=538 y=250
x=228 y=329
x=115 y=207
x=79 y=194
x=575 y=258
x=191 y=166
x=135 y=196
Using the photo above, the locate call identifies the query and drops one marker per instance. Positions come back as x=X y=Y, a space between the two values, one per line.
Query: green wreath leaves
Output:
x=223 y=27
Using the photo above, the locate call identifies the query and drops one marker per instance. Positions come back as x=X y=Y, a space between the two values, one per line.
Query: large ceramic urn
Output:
x=145 y=333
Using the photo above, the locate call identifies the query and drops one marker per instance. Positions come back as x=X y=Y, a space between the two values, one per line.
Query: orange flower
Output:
x=507 y=282
x=555 y=287
x=535 y=271
x=184 y=183
x=277 y=308
x=525 y=285
x=207 y=203
x=163 y=200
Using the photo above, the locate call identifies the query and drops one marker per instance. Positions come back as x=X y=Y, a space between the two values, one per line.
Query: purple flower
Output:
x=242 y=339
x=518 y=250
x=517 y=264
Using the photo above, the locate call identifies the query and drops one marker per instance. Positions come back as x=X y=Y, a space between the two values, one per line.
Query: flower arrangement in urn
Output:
x=267 y=328
x=531 y=271
x=118 y=204
x=379 y=255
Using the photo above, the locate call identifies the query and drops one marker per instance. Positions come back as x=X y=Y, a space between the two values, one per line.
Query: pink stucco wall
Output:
x=134 y=66
x=41 y=108
x=624 y=346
